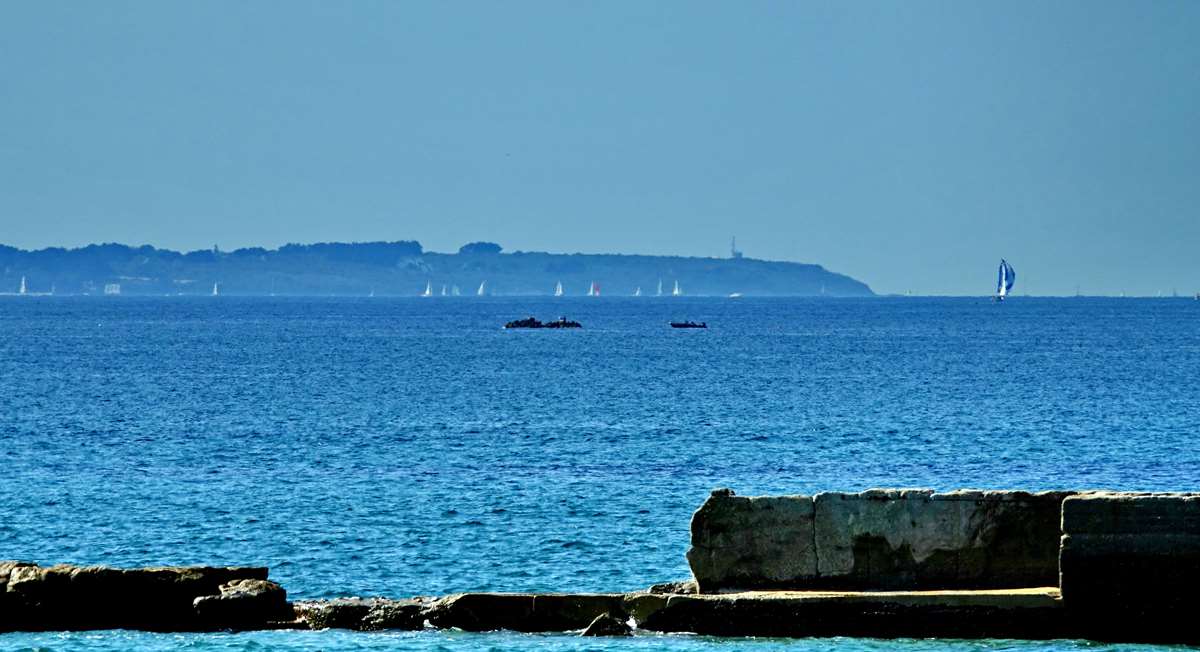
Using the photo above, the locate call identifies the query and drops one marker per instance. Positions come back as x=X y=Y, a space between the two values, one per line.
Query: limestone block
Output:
x=752 y=542
x=916 y=538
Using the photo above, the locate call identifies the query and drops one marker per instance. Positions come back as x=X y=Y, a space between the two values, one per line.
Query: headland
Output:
x=403 y=269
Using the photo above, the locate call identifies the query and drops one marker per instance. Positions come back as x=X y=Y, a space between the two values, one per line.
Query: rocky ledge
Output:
x=198 y=598
x=881 y=563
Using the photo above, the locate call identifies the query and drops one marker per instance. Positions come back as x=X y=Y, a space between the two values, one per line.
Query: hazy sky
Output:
x=908 y=144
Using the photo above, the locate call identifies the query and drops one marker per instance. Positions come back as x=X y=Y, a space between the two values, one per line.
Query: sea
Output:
x=412 y=446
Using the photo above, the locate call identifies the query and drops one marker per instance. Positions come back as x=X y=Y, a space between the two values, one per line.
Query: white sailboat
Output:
x=428 y=289
x=1006 y=279
x=482 y=289
x=593 y=290
x=23 y=289
x=637 y=292
x=659 y=293
x=454 y=291
x=443 y=289
x=677 y=292
x=216 y=289
x=558 y=291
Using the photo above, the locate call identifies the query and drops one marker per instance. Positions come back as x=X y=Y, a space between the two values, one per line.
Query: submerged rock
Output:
x=607 y=624
x=364 y=614
x=523 y=612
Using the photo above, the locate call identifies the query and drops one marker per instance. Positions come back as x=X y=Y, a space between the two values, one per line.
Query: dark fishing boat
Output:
x=688 y=324
x=561 y=322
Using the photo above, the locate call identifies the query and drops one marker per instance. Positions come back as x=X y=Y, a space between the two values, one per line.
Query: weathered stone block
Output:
x=244 y=602
x=916 y=538
x=1132 y=556
x=752 y=542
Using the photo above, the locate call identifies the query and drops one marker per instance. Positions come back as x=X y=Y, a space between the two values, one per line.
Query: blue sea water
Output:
x=410 y=446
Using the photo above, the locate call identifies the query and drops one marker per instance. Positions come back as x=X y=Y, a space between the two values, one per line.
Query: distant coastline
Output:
x=402 y=268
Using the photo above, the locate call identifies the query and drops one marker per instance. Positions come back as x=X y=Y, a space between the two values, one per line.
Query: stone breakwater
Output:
x=880 y=563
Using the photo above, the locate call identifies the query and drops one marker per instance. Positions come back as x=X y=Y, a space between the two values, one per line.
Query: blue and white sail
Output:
x=1007 y=276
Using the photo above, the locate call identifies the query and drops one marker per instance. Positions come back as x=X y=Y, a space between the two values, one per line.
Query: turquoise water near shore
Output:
x=411 y=446
x=338 y=641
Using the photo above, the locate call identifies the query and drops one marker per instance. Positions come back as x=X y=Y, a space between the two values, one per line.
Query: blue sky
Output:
x=909 y=144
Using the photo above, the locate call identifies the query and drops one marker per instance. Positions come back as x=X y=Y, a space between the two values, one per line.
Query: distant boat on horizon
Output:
x=216 y=289
x=594 y=289
x=677 y=292
x=443 y=289
x=23 y=289
x=638 y=292
x=1007 y=276
x=454 y=291
x=558 y=289
x=659 y=294
x=482 y=288
x=428 y=289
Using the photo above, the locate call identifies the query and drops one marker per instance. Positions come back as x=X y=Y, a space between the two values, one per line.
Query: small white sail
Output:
x=454 y=291
x=216 y=289
x=443 y=289
x=637 y=292
x=428 y=289
x=23 y=289
x=659 y=294
x=558 y=290
x=482 y=289
x=677 y=292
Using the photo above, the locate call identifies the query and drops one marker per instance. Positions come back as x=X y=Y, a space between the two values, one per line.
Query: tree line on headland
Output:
x=401 y=268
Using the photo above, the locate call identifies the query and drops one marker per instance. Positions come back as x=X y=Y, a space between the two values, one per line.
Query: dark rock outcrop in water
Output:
x=98 y=597
x=561 y=322
x=401 y=269
x=607 y=624
x=244 y=602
